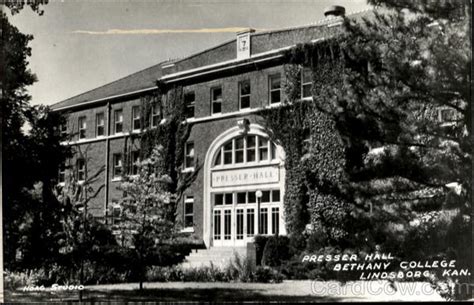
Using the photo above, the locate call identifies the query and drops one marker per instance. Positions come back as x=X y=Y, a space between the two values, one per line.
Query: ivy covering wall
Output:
x=315 y=155
x=171 y=131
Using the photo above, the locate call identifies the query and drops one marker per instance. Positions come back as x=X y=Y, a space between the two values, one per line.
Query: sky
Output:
x=82 y=44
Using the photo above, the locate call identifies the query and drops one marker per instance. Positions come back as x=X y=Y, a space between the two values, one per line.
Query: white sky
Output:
x=80 y=45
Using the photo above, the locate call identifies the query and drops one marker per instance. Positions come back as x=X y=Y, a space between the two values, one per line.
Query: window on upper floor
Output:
x=136 y=118
x=188 y=211
x=306 y=82
x=81 y=169
x=216 y=100
x=118 y=165
x=135 y=162
x=244 y=94
x=100 y=124
x=118 y=121
x=189 y=155
x=82 y=127
x=63 y=129
x=275 y=88
x=245 y=149
x=189 y=101
x=155 y=115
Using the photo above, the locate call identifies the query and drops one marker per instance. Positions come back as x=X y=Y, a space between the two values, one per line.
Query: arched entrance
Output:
x=243 y=188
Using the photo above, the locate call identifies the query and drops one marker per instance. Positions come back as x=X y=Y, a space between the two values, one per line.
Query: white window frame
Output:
x=188 y=154
x=117 y=122
x=213 y=100
x=81 y=169
x=271 y=152
x=188 y=200
x=244 y=95
x=115 y=166
x=136 y=117
x=155 y=114
x=82 y=122
x=270 y=90
x=63 y=129
x=99 y=125
x=303 y=84
x=191 y=104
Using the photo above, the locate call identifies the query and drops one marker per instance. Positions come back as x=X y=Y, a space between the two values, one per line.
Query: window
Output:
x=63 y=129
x=100 y=124
x=82 y=127
x=244 y=92
x=306 y=82
x=188 y=211
x=275 y=221
x=81 y=169
x=218 y=199
x=250 y=222
x=189 y=155
x=239 y=150
x=227 y=224
x=155 y=115
x=136 y=120
x=116 y=213
x=275 y=89
x=217 y=224
x=446 y=115
x=240 y=223
x=216 y=100
x=62 y=173
x=245 y=150
x=135 y=162
x=189 y=100
x=118 y=120
x=117 y=170
x=228 y=153
x=263 y=223
x=262 y=149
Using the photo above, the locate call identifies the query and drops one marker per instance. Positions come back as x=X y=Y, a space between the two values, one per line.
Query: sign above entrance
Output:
x=245 y=176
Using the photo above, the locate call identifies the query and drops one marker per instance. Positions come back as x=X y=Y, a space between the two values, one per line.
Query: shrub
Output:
x=14 y=280
x=276 y=251
x=240 y=269
x=267 y=275
x=260 y=241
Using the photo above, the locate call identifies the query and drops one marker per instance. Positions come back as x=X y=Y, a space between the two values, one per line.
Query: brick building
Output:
x=239 y=189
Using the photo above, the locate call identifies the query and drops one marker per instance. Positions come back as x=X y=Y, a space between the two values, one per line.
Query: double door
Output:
x=237 y=217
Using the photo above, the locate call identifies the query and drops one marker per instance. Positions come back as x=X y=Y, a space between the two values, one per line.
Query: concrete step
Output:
x=219 y=256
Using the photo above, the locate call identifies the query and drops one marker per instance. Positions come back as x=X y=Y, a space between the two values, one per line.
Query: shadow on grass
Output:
x=164 y=295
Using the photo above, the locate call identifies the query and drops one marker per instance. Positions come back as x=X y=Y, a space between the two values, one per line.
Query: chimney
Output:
x=334 y=11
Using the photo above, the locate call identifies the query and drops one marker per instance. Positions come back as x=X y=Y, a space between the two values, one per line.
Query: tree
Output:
x=148 y=209
x=30 y=160
x=403 y=112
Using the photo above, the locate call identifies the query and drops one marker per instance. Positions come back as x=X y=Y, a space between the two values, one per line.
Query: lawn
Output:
x=313 y=291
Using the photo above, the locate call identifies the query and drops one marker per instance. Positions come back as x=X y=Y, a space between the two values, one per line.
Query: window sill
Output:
x=81 y=182
x=216 y=114
x=187 y=230
x=188 y=170
x=116 y=179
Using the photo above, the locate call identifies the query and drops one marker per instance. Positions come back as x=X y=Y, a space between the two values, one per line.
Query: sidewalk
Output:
x=314 y=291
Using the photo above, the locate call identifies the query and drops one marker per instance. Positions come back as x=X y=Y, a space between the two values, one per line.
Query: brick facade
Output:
x=194 y=74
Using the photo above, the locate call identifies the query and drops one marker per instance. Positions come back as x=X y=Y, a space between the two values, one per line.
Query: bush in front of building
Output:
x=276 y=251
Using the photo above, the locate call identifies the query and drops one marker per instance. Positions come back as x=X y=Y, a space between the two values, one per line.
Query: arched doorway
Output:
x=243 y=188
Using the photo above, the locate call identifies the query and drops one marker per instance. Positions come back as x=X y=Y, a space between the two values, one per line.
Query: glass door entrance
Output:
x=238 y=216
